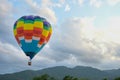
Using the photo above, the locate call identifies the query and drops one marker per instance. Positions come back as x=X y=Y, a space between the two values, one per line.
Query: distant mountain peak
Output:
x=60 y=71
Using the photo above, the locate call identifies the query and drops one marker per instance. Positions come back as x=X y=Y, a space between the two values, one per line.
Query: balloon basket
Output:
x=29 y=63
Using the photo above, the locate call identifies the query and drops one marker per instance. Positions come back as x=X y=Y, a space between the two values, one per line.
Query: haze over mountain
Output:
x=60 y=71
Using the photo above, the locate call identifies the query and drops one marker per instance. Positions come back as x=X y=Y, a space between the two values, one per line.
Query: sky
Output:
x=85 y=33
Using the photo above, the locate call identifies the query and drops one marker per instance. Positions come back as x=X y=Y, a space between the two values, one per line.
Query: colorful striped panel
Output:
x=28 y=26
x=20 y=23
x=45 y=33
x=37 y=32
x=20 y=31
x=48 y=37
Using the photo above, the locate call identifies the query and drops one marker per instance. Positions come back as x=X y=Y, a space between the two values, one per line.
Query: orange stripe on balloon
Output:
x=36 y=28
x=41 y=43
x=28 y=37
x=29 y=31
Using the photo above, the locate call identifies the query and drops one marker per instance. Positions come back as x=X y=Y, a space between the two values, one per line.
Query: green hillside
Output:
x=60 y=72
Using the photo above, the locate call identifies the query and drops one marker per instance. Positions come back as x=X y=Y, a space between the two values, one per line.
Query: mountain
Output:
x=60 y=71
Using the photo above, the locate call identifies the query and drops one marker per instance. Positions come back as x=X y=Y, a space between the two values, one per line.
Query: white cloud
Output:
x=10 y=52
x=45 y=9
x=62 y=1
x=45 y=3
x=49 y=3
x=113 y=2
x=13 y=59
x=96 y=3
x=111 y=30
x=6 y=20
x=71 y=41
x=32 y=3
x=67 y=8
x=5 y=7
x=49 y=14
x=80 y=2
x=105 y=39
x=80 y=38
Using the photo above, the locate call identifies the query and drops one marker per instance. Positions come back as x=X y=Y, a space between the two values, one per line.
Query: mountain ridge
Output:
x=60 y=71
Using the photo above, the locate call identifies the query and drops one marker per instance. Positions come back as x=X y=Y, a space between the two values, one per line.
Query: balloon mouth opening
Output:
x=30 y=55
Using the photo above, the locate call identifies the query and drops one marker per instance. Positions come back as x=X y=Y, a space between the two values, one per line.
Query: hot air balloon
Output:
x=32 y=33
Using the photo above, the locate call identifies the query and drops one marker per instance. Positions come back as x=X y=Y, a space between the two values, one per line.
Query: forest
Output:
x=67 y=77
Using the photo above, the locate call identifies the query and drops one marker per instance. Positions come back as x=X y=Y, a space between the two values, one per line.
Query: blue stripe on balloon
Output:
x=31 y=49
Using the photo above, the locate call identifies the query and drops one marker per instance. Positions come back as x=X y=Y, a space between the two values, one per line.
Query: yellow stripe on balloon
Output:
x=45 y=33
x=20 y=24
x=28 y=26
x=15 y=32
x=38 y=24
x=50 y=29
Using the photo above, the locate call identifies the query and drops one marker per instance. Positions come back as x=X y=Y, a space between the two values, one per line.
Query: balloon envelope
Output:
x=32 y=33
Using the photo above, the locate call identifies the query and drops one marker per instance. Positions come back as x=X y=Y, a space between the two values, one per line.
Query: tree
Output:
x=52 y=78
x=36 y=78
x=118 y=78
x=68 y=78
x=75 y=79
x=83 y=79
x=44 y=77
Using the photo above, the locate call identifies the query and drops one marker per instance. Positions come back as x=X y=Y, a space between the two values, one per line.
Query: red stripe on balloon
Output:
x=28 y=34
x=20 y=31
x=37 y=32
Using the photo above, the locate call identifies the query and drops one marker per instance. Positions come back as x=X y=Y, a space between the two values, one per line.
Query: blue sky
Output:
x=85 y=33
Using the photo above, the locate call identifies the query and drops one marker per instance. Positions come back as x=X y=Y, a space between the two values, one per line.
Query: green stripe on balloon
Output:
x=29 y=21
x=21 y=19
